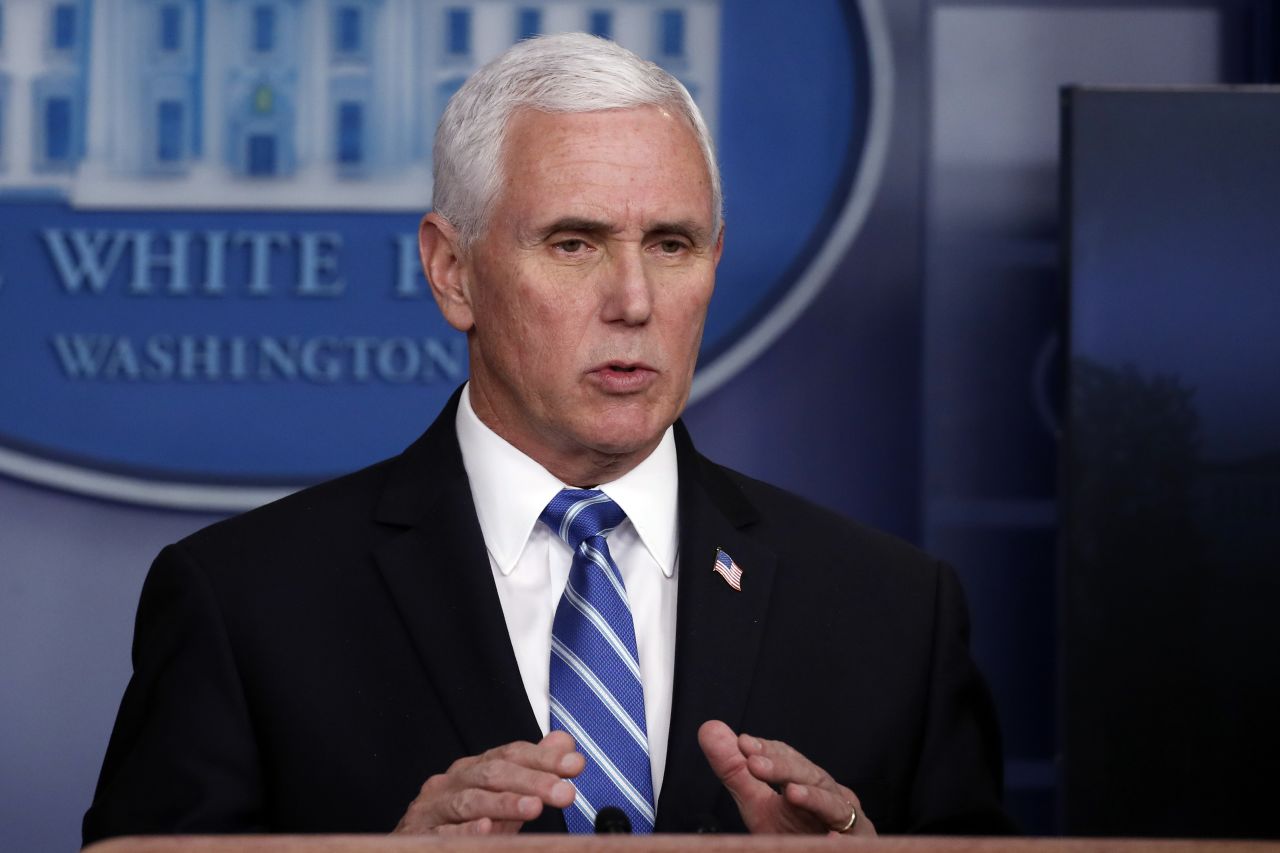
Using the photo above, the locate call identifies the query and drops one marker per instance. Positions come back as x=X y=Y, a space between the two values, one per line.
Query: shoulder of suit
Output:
x=314 y=519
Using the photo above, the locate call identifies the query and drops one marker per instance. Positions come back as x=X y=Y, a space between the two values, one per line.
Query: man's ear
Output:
x=447 y=271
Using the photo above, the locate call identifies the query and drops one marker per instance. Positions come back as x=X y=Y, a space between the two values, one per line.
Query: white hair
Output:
x=566 y=73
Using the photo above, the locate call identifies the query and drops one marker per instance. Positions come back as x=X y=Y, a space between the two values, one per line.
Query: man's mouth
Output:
x=623 y=366
x=624 y=377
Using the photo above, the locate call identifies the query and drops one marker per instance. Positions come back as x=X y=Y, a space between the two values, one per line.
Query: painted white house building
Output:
x=277 y=103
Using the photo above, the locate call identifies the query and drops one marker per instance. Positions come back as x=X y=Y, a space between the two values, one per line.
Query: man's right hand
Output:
x=498 y=791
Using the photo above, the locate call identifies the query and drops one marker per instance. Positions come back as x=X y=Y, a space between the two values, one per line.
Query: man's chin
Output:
x=608 y=447
x=625 y=439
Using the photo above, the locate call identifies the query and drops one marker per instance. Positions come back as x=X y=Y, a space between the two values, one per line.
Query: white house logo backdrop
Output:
x=209 y=288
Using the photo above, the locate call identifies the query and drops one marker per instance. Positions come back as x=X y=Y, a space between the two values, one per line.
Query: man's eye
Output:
x=572 y=246
x=671 y=247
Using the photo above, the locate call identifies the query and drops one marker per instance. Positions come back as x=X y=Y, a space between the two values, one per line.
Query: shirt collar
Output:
x=510 y=490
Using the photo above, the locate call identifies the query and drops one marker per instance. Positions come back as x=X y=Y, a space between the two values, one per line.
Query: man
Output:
x=651 y=632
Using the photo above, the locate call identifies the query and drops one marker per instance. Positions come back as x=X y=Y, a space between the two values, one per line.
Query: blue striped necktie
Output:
x=596 y=692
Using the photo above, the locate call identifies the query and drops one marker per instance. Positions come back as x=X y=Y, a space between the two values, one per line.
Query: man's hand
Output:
x=777 y=789
x=498 y=791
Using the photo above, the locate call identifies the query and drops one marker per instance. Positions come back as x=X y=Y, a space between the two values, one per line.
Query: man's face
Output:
x=588 y=289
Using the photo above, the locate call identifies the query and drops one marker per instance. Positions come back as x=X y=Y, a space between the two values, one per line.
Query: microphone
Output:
x=612 y=820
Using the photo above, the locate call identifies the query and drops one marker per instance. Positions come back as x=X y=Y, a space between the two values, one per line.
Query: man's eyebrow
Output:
x=687 y=228
x=575 y=223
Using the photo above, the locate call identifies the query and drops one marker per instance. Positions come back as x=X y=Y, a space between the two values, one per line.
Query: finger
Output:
x=777 y=763
x=474 y=804
x=500 y=776
x=483 y=826
x=829 y=807
x=555 y=753
x=721 y=747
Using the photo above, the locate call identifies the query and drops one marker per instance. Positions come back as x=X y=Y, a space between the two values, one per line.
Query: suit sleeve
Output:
x=958 y=781
x=182 y=756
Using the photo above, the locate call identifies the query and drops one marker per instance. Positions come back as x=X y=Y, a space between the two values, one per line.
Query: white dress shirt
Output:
x=531 y=564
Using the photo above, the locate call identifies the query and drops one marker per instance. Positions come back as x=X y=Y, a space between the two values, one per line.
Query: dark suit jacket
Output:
x=306 y=666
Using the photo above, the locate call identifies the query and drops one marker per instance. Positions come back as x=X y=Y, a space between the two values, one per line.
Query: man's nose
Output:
x=628 y=292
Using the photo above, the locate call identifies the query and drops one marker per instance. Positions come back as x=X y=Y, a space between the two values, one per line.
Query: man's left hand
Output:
x=776 y=788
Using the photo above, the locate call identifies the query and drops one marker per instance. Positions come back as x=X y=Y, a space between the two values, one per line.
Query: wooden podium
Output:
x=659 y=844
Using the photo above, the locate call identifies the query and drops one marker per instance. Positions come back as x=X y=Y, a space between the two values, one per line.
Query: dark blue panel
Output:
x=528 y=23
x=996 y=382
x=1010 y=579
x=1173 y=463
x=458 y=31
x=601 y=24
x=169 y=116
x=57 y=130
x=671 y=32
x=64 y=26
x=197 y=95
x=262 y=155
x=170 y=27
x=350 y=133
x=264 y=29
x=348 y=30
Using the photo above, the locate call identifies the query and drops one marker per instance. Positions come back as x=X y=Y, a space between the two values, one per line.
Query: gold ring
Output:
x=853 y=818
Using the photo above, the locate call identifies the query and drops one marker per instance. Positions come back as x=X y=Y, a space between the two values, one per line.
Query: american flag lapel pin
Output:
x=726 y=568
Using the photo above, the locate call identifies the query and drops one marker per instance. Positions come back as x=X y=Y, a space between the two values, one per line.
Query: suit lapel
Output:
x=439 y=577
x=718 y=630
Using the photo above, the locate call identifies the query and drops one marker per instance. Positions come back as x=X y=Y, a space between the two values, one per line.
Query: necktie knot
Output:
x=576 y=515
